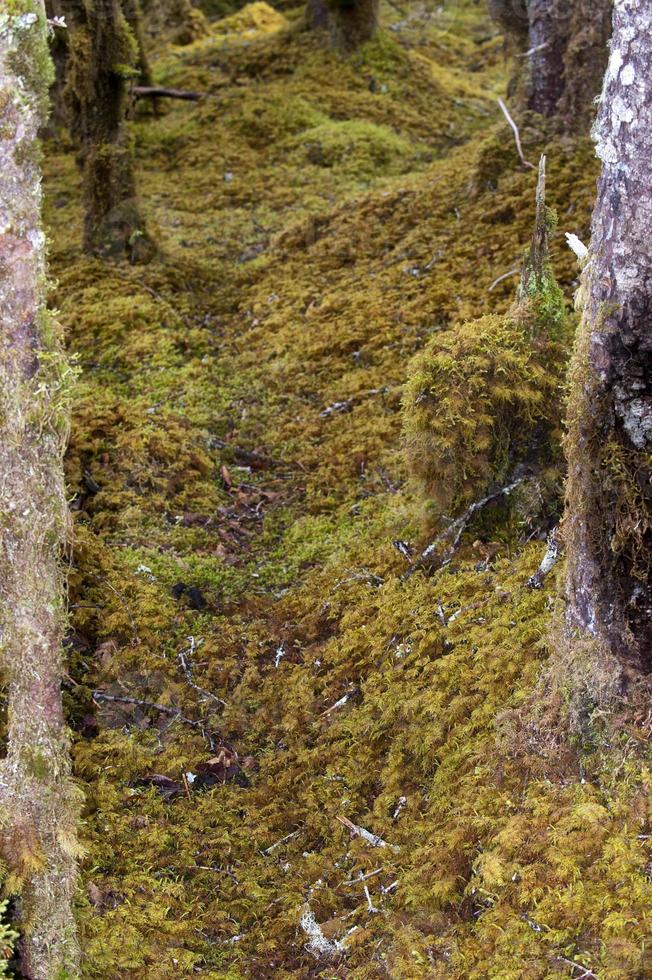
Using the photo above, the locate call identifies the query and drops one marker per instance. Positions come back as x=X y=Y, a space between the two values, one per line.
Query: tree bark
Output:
x=348 y=23
x=103 y=62
x=562 y=53
x=609 y=444
x=38 y=803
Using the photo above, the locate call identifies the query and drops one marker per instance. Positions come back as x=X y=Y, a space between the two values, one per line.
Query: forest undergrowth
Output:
x=257 y=666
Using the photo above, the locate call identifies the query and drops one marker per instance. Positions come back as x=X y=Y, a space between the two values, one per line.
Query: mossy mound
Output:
x=483 y=398
x=241 y=500
x=252 y=19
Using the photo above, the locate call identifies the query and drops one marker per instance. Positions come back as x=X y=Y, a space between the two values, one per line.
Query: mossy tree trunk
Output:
x=38 y=808
x=609 y=445
x=104 y=58
x=185 y=22
x=348 y=23
x=562 y=49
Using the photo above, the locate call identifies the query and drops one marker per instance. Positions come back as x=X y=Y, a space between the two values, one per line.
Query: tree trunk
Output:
x=562 y=48
x=103 y=62
x=349 y=23
x=609 y=445
x=37 y=799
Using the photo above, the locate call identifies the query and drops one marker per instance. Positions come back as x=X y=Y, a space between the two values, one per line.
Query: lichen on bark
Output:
x=37 y=798
x=609 y=445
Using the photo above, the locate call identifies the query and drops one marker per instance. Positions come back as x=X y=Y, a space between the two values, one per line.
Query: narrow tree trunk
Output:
x=609 y=445
x=562 y=53
x=103 y=61
x=348 y=23
x=37 y=800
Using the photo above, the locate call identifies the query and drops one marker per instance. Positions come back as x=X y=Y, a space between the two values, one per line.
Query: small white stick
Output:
x=517 y=135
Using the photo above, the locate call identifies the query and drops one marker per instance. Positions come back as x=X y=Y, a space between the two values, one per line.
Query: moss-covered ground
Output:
x=242 y=505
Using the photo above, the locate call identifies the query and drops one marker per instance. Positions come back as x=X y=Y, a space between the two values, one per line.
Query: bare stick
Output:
x=102 y=696
x=272 y=847
x=429 y=557
x=548 y=562
x=370 y=838
x=186 y=667
x=156 y=92
x=517 y=135
x=579 y=966
x=504 y=276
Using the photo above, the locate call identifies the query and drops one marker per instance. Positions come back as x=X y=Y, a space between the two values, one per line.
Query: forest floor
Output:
x=245 y=519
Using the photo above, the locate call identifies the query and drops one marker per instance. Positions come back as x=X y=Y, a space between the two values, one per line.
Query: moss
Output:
x=477 y=399
x=279 y=318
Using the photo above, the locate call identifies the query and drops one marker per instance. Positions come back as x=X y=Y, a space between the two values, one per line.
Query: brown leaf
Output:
x=95 y=896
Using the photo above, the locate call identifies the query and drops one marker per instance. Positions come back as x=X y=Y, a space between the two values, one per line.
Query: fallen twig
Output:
x=548 y=562
x=504 y=276
x=158 y=92
x=517 y=135
x=455 y=531
x=366 y=835
x=186 y=667
x=579 y=966
x=272 y=847
x=175 y=713
x=361 y=878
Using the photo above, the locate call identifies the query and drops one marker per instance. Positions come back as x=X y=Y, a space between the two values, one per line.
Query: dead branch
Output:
x=578 y=966
x=247 y=456
x=157 y=92
x=283 y=840
x=429 y=558
x=366 y=835
x=517 y=135
x=548 y=562
x=504 y=276
x=186 y=667
x=175 y=713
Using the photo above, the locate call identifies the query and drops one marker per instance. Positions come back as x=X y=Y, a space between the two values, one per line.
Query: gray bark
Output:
x=562 y=52
x=38 y=806
x=609 y=510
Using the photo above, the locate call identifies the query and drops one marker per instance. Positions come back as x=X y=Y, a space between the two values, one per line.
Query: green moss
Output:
x=280 y=317
x=474 y=406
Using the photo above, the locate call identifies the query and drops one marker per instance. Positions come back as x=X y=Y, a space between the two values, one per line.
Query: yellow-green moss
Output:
x=281 y=315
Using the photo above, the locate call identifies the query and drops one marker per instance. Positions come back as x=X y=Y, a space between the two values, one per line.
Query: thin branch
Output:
x=504 y=276
x=548 y=562
x=429 y=557
x=283 y=840
x=579 y=966
x=157 y=92
x=186 y=667
x=366 y=835
x=517 y=135
x=175 y=713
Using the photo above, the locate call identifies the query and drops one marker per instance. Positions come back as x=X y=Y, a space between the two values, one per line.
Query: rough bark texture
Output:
x=348 y=23
x=566 y=41
x=37 y=800
x=103 y=61
x=609 y=519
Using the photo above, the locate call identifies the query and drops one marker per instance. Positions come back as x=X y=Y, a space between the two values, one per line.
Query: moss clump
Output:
x=479 y=400
x=356 y=148
x=252 y=19
x=483 y=403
